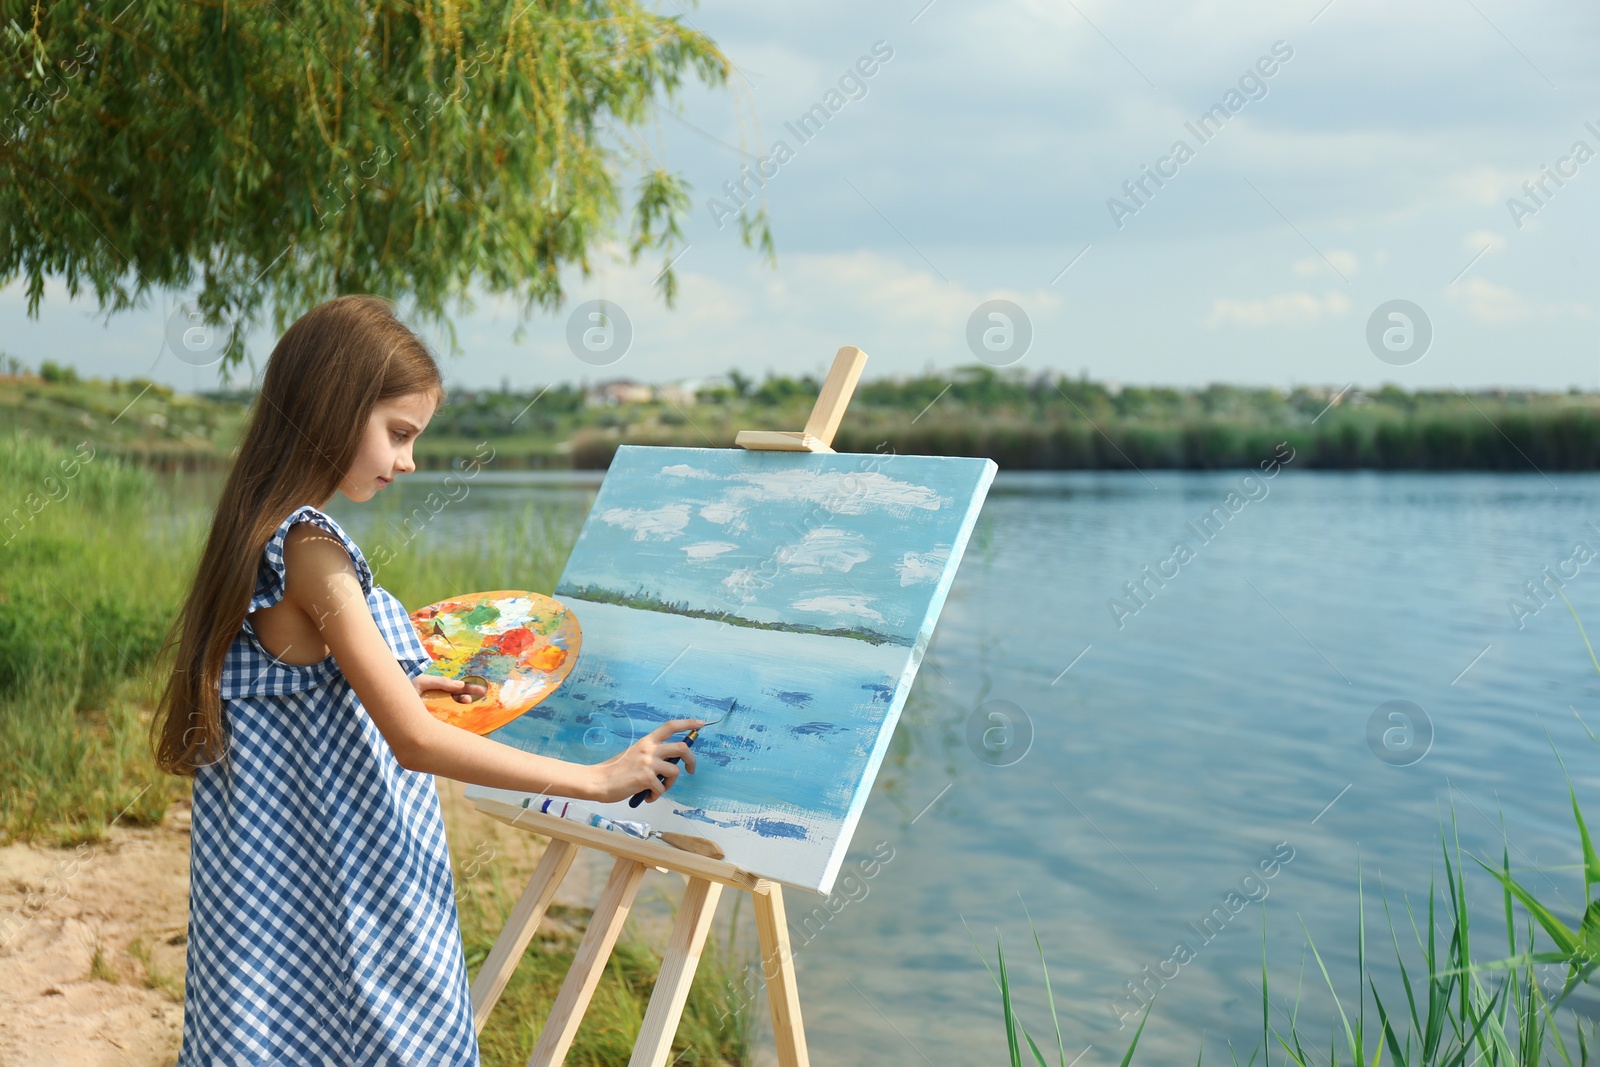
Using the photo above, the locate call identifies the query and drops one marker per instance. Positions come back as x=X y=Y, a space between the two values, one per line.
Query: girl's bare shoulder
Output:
x=310 y=552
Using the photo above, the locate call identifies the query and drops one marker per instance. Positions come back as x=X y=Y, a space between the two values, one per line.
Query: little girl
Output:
x=322 y=920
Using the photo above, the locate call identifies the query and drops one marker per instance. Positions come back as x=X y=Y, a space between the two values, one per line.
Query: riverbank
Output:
x=1043 y=422
x=91 y=975
x=93 y=845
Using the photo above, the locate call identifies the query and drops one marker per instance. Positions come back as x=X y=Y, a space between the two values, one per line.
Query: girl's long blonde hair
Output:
x=323 y=379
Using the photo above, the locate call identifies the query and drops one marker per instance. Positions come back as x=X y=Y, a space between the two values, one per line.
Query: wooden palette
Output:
x=520 y=645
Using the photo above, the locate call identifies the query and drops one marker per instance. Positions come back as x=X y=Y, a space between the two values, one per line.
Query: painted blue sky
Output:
x=1379 y=162
x=820 y=540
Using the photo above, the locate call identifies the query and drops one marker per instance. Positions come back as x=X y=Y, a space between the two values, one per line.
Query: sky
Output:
x=1368 y=153
x=829 y=543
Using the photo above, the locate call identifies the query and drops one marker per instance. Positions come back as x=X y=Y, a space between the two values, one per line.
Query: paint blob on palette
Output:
x=519 y=645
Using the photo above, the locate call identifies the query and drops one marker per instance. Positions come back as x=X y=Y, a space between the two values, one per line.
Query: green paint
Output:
x=481 y=616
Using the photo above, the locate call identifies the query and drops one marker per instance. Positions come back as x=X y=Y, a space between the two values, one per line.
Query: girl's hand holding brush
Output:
x=644 y=767
x=644 y=794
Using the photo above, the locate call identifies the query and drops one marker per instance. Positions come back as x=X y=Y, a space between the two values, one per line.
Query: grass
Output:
x=84 y=593
x=87 y=583
x=100 y=968
x=716 y=1027
x=155 y=977
x=91 y=568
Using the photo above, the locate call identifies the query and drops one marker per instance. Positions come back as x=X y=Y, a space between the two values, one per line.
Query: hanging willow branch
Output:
x=293 y=150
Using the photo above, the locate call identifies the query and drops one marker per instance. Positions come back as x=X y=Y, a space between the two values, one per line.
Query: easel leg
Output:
x=677 y=972
x=604 y=927
x=520 y=926
x=777 y=967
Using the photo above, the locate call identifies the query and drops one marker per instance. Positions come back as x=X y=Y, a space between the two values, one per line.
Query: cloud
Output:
x=683 y=470
x=841 y=492
x=825 y=549
x=1346 y=263
x=1478 y=240
x=707 y=549
x=839 y=605
x=1482 y=185
x=743 y=581
x=917 y=567
x=663 y=523
x=1490 y=303
x=723 y=514
x=1290 y=308
x=890 y=290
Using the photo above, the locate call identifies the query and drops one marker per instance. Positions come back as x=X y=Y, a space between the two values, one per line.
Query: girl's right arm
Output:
x=321 y=581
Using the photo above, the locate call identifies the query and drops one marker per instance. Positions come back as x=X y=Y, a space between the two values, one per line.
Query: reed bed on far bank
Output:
x=1489 y=437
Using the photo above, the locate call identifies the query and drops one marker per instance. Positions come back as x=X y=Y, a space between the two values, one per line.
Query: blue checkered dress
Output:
x=322 y=916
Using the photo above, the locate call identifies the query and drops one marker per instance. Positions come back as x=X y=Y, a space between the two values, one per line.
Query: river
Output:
x=1140 y=772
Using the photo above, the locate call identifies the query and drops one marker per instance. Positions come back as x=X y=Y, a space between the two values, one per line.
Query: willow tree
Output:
x=288 y=151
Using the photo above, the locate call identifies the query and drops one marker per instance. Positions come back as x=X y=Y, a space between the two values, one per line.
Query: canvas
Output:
x=804 y=587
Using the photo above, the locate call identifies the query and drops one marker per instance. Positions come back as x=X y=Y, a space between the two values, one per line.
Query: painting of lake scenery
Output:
x=794 y=592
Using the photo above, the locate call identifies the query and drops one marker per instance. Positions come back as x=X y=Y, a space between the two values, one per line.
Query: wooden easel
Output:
x=633 y=856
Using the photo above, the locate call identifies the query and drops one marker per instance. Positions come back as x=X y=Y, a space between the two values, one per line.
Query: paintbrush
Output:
x=644 y=794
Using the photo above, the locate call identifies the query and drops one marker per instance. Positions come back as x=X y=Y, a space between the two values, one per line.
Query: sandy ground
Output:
x=128 y=897
x=56 y=906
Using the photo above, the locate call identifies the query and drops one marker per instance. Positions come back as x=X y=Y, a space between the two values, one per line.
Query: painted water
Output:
x=1142 y=780
x=776 y=779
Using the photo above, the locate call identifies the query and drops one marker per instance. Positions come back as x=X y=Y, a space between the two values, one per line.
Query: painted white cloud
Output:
x=825 y=549
x=724 y=514
x=1490 y=303
x=663 y=523
x=707 y=549
x=841 y=492
x=1290 y=308
x=683 y=470
x=742 y=581
x=917 y=567
x=840 y=605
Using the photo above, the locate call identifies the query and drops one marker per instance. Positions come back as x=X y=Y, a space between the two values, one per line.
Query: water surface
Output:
x=1177 y=757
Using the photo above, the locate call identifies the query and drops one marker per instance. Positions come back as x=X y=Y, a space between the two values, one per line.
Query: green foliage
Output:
x=718 y=1021
x=1043 y=422
x=298 y=150
x=641 y=600
x=85 y=595
x=91 y=572
x=51 y=371
x=778 y=390
x=1014 y=1024
x=87 y=584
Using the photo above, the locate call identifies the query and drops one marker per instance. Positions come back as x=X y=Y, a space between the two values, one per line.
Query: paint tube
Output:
x=567 y=809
